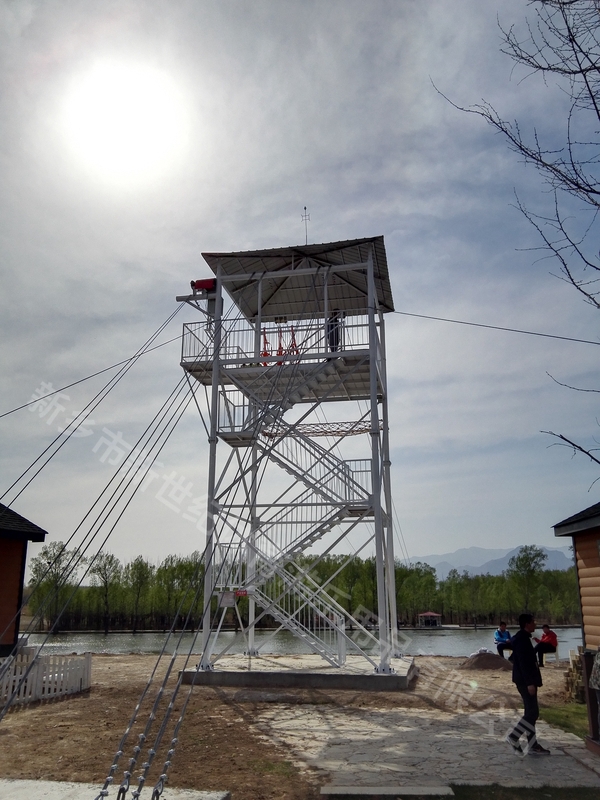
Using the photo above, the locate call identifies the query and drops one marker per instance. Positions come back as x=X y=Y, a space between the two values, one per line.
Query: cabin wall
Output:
x=12 y=567
x=587 y=559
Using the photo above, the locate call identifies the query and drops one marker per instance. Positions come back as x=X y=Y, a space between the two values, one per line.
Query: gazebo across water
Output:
x=429 y=619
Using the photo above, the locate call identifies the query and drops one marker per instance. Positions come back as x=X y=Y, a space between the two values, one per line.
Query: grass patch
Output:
x=512 y=793
x=571 y=717
x=264 y=767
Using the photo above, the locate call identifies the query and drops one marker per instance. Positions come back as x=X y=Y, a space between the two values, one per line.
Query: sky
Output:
x=135 y=135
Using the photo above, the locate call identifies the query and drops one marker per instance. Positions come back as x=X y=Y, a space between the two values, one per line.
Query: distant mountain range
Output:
x=484 y=560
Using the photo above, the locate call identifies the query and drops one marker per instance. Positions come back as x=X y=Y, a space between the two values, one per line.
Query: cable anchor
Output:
x=159 y=787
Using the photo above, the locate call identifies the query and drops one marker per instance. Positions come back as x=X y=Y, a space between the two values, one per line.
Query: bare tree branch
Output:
x=574 y=388
x=577 y=448
x=562 y=41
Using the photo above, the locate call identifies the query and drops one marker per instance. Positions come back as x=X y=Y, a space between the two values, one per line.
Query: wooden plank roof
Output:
x=300 y=296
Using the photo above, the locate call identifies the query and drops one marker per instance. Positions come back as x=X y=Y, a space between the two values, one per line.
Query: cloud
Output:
x=328 y=105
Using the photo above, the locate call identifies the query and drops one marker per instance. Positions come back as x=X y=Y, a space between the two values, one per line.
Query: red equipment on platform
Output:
x=206 y=284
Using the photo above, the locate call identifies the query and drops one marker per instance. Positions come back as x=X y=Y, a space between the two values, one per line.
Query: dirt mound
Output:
x=486 y=661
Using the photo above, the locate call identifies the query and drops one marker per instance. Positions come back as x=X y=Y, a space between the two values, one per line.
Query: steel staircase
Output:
x=301 y=606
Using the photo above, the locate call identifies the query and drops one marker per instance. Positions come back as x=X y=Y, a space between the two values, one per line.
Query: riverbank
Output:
x=459 y=642
x=232 y=629
x=284 y=745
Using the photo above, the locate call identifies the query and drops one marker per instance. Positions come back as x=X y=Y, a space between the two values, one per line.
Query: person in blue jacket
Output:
x=528 y=678
x=502 y=638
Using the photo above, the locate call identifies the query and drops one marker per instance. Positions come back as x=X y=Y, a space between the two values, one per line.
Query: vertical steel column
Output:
x=382 y=594
x=254 y=520
x=251 y=550
x=387 y=493
x=325 y=311
x=211 y=510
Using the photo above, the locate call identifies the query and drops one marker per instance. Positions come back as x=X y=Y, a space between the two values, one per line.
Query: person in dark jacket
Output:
x=527 y=677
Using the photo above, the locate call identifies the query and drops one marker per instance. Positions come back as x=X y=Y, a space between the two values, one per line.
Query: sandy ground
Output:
x=219 y=745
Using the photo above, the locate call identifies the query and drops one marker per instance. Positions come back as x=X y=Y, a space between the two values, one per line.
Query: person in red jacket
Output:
x=547 y=644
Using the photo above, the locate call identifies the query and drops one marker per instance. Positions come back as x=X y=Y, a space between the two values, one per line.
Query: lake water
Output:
x=448 y=642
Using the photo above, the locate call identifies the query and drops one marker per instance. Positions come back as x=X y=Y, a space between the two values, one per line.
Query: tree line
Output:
x=140 y=595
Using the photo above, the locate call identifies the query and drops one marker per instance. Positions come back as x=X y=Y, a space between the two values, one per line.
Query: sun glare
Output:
x=126 y=123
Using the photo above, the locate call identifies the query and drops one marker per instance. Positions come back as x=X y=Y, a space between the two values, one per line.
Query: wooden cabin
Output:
x=15 y=532
x=584 y=530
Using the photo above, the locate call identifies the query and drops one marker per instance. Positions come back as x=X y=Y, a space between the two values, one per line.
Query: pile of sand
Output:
x=486 y=661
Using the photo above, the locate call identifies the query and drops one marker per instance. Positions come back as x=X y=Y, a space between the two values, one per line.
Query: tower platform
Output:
x=344 y=376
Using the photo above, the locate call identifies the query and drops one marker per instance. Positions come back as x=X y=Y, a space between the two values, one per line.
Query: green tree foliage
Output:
x=53 y=577
x=106 y=575
x=137 y=577
x=177 y=592
x=525 y=570
x=141 y=596
x=416 y=591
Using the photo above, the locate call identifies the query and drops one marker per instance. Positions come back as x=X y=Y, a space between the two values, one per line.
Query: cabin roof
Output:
x=14 y=526
x=580 y=522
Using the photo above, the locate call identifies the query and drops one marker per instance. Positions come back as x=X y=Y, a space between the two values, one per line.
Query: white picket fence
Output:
x=50 y=676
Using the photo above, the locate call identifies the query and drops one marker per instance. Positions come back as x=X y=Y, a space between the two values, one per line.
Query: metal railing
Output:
x=299 y=524
x=285 y=342
x=317 y=468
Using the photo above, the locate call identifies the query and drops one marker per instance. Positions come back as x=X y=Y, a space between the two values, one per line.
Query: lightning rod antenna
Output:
x=305 y=219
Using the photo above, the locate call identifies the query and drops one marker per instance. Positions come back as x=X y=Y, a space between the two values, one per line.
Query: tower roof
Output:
x=299 y=293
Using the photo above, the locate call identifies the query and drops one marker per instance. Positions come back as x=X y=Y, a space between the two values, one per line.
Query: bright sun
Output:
x=127 y=123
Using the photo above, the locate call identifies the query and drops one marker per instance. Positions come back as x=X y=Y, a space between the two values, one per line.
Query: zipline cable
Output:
x=88 y=377
x=79 y=553
x=59 y=554
x=149 y=432
x=497 y=328
x=75 y=558
x=142 y=738
x=152 y=430
x=176 y=416
x=84 y=413
x=400 y=535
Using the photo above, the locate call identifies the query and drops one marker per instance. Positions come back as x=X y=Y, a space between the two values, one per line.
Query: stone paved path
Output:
x=54 y=790
x=407 y=747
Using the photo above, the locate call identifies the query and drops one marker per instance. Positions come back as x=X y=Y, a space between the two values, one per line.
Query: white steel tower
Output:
x=285 y=334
